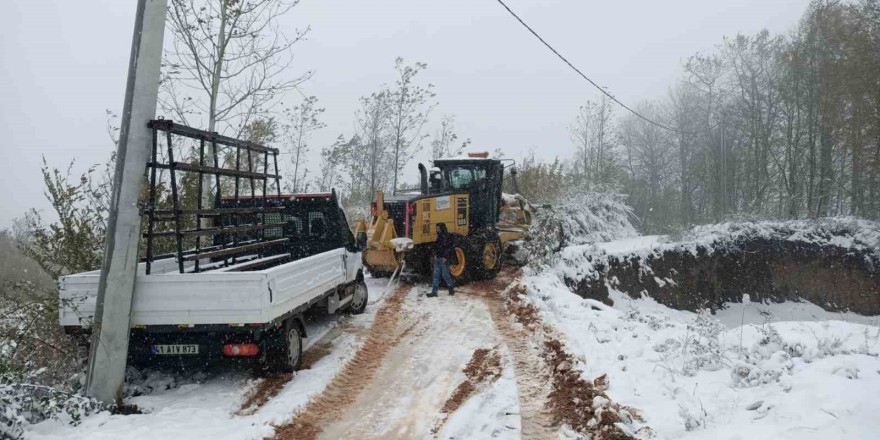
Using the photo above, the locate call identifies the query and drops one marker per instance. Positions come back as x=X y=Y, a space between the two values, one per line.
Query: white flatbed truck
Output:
x=250 y=311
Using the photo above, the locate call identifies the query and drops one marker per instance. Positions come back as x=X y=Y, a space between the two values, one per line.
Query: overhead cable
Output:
x=601 y=89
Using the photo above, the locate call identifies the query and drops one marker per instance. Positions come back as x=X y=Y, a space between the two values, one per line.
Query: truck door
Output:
x=351 y=259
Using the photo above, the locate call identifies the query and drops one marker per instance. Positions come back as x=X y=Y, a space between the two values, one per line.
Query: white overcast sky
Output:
x=63 y=63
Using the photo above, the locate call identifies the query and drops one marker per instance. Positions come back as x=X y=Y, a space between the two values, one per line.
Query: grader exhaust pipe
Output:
x=423 y=179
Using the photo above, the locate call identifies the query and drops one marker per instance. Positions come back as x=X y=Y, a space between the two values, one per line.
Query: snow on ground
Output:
x=204 y=406
x=491 y=414
x=788 y=372
x=736 y=314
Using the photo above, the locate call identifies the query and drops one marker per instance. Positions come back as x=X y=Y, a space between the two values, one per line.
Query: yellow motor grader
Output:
x=466 y=195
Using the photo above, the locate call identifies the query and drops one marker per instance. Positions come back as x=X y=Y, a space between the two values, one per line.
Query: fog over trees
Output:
x=771 y=126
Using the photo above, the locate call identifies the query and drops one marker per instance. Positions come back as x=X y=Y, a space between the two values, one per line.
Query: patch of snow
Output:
x=402 y=244
x=737 y=314
x=626 y=246
x=696 y=378
x=846 y=232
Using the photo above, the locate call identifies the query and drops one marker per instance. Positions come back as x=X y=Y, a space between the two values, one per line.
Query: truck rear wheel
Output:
x=286 y=357
x=293 y=346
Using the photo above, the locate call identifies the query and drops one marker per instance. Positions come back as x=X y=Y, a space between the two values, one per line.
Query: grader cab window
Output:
x=460 y=177
x=463 y=177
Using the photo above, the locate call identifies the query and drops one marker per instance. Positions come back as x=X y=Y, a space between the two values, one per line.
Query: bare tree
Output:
x=590 y=134
x=333 y=158
x=228 y=64
x=230 y=56
x=302 y=120
x=371 y=158
x=408 y=108
x=651 y=162
x=685 y=116
x=445 y=141
x=583 y=138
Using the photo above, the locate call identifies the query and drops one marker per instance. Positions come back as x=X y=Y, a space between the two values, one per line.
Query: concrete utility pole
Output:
x=116 y=286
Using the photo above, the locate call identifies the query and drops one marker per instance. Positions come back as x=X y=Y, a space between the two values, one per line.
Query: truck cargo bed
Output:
x=221 y=296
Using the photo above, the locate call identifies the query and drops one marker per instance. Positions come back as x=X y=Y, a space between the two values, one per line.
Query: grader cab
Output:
x=466 y=195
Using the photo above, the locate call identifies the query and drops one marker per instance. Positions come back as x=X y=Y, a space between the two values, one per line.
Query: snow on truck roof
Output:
x=471 y=156
x=323 y=195
x=463 y=159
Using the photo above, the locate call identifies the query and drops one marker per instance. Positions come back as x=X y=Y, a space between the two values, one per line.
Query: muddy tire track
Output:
x=352 y=379
x=552 y=392
x=270 y=386
x=483 y=369
x=532 y=380
x=263 y=391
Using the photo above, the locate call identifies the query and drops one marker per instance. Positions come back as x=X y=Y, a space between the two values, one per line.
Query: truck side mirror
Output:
x=362 y=240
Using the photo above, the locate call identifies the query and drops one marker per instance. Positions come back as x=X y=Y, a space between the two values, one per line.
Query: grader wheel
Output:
x=487 y=250
x=460 y=269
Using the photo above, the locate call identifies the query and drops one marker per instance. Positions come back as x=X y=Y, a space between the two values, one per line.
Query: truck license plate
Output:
x=175 y=349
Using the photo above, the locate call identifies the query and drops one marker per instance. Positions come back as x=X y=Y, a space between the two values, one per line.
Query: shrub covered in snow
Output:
x=24 y=402
x=581 y=219
x=39 y=365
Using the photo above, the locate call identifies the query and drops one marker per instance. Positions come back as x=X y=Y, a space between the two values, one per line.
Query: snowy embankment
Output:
x=586 y=260
x=694 y=377
x=834 y=263
x=752 y=370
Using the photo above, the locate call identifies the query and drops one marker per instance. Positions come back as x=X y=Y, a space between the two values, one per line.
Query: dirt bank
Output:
x=833 y=277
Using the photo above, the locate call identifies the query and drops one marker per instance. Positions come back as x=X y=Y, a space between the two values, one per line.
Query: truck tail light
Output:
x=241 y=350
x=372 y=209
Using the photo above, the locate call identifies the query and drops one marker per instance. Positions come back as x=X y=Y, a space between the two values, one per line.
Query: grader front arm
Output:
x=380 y=257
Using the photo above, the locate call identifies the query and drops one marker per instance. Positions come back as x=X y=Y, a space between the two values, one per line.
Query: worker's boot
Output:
x=451 y=291
x=431 y=295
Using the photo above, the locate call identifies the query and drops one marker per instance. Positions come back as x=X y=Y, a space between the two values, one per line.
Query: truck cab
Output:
x=313 y=223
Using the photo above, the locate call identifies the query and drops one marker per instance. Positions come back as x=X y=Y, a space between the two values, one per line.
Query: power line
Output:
x=520 y=20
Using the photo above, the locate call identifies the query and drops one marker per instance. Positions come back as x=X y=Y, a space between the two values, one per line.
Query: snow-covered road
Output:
x=435 y=339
